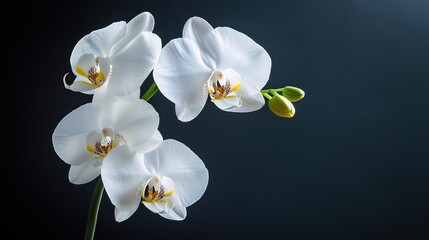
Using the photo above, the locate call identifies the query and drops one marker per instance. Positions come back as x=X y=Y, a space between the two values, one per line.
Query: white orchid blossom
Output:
x=120 y=55
x=221 y=63
x=85 y=136
x=166 y=180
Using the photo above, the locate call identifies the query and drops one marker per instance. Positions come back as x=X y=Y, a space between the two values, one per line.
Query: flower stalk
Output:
x=150 y=92
x=93 y=210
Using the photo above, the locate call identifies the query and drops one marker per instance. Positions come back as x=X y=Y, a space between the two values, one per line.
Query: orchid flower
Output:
x=166 y=180
x=120 y=55
x=221 y=63
x=85 y=136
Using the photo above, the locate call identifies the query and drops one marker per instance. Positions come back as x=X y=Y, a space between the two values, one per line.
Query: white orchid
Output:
x=85 y=136
x=223 y=63
x=166 y=180
x=120 y=55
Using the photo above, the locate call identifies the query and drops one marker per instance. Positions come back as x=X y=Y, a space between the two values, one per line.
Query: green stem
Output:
x=267 y=95
x=272 y=90
x=93 y=210
x=150 y=92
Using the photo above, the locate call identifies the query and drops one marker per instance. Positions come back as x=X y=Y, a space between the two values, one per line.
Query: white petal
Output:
x=181 y=74
x=157 y=207
x=248 y=104
x=98 y=42
x=176 y=161
x=132 y=64
x=85 y=62
x=197 y=29
x=102 y=96
x=136 y=120
x=151 y=144
x=123 y=174
x=93 y=137
x=123 y=214
x=142 y=22
x=80 y=85
x=228 y=103
x=84 y=173
x=69 y=137
x=189 y=112
x=232 y=49
x=232 y=76
x=177 y=211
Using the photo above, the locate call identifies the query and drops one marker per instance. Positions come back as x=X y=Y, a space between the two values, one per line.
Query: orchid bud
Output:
x=293 y=94
x=281 y=106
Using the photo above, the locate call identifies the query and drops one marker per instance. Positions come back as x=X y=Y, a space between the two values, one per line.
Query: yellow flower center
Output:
x=220 y=86
x=94 y=74
x=105 y=143
x=155 y=191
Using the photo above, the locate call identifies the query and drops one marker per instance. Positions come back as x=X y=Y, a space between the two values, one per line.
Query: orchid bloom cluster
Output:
x=116 y=135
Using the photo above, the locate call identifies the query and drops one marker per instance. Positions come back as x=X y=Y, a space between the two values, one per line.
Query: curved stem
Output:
x=93 y=210
x=271 y=90
x=150 y=92
x=267 y=95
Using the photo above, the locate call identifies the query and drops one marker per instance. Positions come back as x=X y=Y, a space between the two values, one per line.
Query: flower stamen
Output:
x=221 y=85
x=152 y=194
x=103 y=146
x=95 y=75
x=155 y=191
x=220 y=91
x=106 y=142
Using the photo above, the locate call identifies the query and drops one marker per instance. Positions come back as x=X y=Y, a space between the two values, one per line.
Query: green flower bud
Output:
x=281 y=106
x=293 y=94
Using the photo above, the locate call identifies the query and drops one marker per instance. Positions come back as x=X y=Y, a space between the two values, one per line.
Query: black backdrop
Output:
x=351 y=164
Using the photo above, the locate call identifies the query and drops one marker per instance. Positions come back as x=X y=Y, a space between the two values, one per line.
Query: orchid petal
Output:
x=248 y=104
x=186 y=114
x=80 y=85
x=123 y=214
x=102 y=96
x=176 y=161
x=197 y=29
x=151 y=143
x=84 y=173
x=132 y=64
x=123 y=174
x=177 y=210
x=228 y=103
x=142 y=22
x=98 y=42
x=232 y=49
x=69 y=137
x=136 y=121
x=181 y=74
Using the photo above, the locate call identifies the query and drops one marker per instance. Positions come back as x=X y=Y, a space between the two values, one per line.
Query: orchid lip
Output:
x=157 y=189
x=223 y=85
x=104 y=143
x=95 y=74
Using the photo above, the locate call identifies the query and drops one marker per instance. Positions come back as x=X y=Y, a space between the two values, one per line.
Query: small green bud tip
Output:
x=281 y=106
x=293 y=94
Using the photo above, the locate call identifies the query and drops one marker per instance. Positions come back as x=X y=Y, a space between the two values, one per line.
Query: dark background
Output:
x=351 y=164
